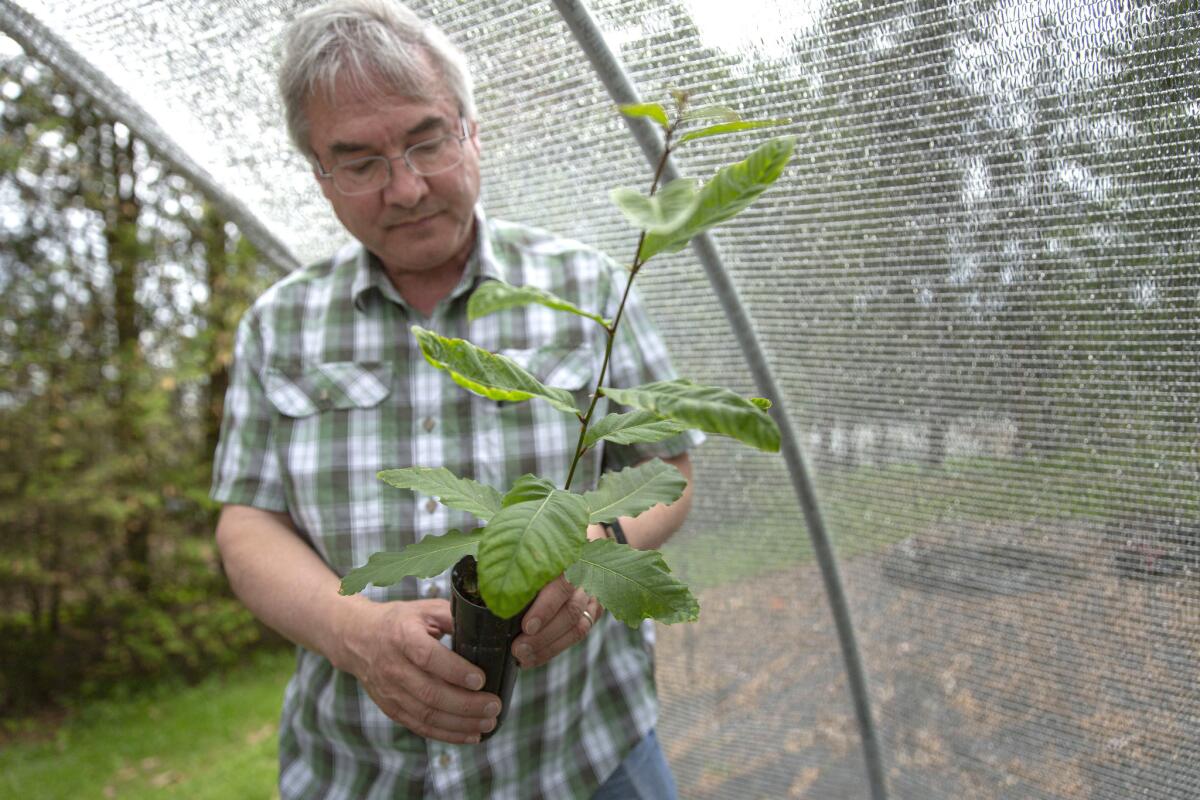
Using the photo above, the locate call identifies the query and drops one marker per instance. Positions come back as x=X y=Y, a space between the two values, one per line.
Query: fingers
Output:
x=421 y=684
x=572 y=621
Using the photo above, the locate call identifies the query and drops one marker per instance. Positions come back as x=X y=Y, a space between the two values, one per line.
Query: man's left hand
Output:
x=560 y=616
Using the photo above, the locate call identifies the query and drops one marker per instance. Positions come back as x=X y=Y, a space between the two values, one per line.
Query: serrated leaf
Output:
x=492 y=296
x=431 y=556
x=527 y=545
x=635 y=427
x=488 y=374
x=632 y=584
x=526 y=488
x=732 y=127
x=709 y=408
x=661 y=212
x=723 y=113
x=450 y=490
x=762 y=403
x=632 y=490
x=731 y=190
x=652 y=111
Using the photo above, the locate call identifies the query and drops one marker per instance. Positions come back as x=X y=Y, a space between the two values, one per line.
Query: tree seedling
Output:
x=534 y=531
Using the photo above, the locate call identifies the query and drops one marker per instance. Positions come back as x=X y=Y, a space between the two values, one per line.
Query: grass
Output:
x=213 y=741
x=867 y=509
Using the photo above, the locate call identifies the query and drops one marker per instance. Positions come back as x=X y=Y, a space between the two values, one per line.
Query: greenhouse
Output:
x=972 y=570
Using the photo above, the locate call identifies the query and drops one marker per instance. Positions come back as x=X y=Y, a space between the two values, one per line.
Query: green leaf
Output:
x=731 y=190
x=736 y=126
x=461 y=493
x=493 y=296
x=652 y=111
x=663 y=211
x=723 y=113
x=526 y=488
x=709 y=408
x=487 y=374
x=431 y=556
x=632 y=584
x=632 y=428
x=762 y=403
x=527 y=545
x=633 y=490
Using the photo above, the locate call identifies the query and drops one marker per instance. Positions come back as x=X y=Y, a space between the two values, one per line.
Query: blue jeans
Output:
x=643 y=775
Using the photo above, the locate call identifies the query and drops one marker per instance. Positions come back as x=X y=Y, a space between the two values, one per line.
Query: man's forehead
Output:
x=349 y=116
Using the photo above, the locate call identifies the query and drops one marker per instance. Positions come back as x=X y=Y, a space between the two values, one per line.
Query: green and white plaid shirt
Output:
x=329 y=387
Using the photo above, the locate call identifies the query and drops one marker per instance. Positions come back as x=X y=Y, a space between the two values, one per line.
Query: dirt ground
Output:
x=1005 y=661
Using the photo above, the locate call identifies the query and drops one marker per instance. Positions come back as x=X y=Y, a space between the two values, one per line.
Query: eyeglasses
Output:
x=372 y=173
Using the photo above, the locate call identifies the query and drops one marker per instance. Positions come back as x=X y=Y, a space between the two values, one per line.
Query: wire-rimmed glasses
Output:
x=372 y=173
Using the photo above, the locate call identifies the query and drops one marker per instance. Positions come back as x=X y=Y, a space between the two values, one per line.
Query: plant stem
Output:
x=611 y=330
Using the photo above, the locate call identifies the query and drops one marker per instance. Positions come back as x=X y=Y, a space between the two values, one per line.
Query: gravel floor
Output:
x=1005 y=661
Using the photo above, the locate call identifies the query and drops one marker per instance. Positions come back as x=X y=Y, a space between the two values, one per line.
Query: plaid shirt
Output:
x=329 y=387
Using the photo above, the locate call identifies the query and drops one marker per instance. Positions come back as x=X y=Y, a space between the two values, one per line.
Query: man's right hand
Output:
x=394 y=650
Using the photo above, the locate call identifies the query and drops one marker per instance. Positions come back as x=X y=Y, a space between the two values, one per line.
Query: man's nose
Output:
x=404 y=187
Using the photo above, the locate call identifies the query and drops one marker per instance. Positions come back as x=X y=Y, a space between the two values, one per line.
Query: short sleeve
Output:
x=639 y=356
x=245 y=466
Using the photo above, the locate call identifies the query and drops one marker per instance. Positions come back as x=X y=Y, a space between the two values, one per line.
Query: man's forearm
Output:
x=283 y=581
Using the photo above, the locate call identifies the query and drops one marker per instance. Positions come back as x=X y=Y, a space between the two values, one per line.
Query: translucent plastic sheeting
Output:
x=979 y=286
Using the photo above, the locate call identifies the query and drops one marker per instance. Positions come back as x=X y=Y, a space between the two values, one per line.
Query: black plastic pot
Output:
x=483 y=638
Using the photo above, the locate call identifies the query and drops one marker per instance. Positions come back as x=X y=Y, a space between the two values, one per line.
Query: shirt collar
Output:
x=369 y=274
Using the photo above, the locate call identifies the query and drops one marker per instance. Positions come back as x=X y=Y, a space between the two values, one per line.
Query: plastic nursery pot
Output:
x=483 y=638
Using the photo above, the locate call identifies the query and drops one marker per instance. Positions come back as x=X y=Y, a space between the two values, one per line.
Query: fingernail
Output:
x=473 y=739
x=474 y=681
x=523 y=652
x=487 y=725
x=532 y=626
x=491 y=710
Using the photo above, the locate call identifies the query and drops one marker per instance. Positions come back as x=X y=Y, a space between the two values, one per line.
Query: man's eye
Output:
x=364 y=167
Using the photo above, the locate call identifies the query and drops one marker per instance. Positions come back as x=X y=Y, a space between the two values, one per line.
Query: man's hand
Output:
x=560 y=616
x=416 y=681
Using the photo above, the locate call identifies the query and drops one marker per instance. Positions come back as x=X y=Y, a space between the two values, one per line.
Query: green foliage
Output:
x=632 y=584
x=488 y=374
x=662 y=212
x=431 y=556
x=461 y=493
x=629 y=492
x=730 y=192
x=121 y=288
x=633 y=427
x=540 y=532
x=709 y=408
x=493 y=296
x=527 y=545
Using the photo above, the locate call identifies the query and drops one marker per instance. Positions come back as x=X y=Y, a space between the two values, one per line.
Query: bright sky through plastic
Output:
x=767 y=27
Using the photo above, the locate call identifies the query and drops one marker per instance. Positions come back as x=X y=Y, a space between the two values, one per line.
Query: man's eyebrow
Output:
x=429 y=123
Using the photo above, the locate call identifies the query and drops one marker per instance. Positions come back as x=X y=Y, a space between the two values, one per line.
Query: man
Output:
x=329 y=387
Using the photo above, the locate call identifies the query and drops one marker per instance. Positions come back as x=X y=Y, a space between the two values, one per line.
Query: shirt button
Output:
x=431 y=505
x=429 y=424
x=444 y=761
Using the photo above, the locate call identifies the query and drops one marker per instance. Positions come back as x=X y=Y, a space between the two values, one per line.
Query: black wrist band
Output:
x=618 y=533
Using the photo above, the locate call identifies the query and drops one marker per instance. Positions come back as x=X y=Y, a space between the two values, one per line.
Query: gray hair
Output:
x=380 y=46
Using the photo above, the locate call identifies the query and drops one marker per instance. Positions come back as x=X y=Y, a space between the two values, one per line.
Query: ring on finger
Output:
x=590 y=619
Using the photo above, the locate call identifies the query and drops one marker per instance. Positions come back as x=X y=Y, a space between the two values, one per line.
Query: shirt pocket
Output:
x=302 y=392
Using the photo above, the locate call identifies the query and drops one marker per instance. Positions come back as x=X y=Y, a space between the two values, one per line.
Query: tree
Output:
x=120 y=287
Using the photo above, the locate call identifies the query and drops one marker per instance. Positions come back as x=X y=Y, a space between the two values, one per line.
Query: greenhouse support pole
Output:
x=621 y=89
